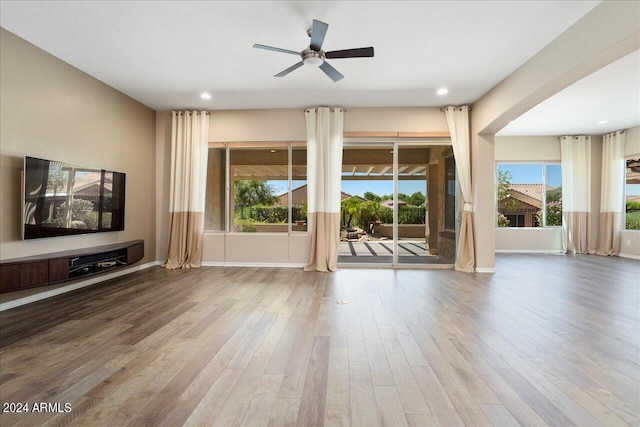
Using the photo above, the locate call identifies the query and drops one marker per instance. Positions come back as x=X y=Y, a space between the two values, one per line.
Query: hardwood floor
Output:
x=547 y=340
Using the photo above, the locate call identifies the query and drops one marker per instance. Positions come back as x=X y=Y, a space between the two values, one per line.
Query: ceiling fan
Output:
x=316 y=57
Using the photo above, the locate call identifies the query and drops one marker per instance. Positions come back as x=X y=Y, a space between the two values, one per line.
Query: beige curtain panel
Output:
x=458 y=121
x=189 y=135
x=611 y=201
x=575 y=154
x=324 y=169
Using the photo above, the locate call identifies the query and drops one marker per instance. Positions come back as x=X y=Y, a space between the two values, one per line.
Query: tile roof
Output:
x=531 y=190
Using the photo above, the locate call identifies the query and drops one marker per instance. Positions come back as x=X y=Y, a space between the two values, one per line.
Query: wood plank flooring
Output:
x=547 y=340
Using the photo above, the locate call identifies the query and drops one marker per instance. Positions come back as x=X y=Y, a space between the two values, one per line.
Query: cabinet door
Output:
x=23 y=275
x=58 y=269
x=9 y=277
x=135 y=253
x=34 y=273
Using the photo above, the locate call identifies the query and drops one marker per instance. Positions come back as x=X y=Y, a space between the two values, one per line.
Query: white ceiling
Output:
x=610 y=95
x=165 y=53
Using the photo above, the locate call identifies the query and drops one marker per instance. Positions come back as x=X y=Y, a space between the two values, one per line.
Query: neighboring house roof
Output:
x=389 y=203
x=299 y=196
x=89 y=184
x=529 y=196
x=532 y=190
x=633 y=198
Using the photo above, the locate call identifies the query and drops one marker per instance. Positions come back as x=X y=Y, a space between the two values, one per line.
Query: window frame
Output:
x=543 y=164
x=229 y=212
x=624 y=192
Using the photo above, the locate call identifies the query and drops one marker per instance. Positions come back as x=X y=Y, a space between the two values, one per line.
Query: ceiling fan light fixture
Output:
x=313 y=58
x=313 y=62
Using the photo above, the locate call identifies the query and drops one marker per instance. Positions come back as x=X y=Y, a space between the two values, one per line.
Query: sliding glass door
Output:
x=366 y=235
x=395 y=202
x=413 y=232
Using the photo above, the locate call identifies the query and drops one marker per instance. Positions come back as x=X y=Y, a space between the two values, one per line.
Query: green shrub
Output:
x=411 y=214
x=244 y=225
x=406 y=215
x=633 y=205
x=106 y=220
x=502 y=220
x=271 y=214
x=368 y=213
x=632 y=221
x=91 y=220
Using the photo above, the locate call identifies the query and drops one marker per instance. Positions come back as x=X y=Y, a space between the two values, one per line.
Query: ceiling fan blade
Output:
x=275 y=49
x=290 y=69
x=331 y=72
x=362 y=52
x=318 y=31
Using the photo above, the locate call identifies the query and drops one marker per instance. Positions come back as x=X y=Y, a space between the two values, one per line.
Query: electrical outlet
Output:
x=627 y=242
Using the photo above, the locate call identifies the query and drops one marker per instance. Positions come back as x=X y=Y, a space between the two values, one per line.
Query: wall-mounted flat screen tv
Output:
x=61 y=199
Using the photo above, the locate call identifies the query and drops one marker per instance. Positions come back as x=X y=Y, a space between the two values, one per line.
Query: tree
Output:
x=368 y=195
x=368 y=213
x=403 y=197
x=554 y=195
x=502 y=220
x=554 y=213
x=350 y=207
x=504 y=196
x=417 y=199
x=250 y=193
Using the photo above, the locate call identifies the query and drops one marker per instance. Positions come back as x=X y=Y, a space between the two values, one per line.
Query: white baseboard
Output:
x=631 y=256
x=485 y=270
x=72 y=287
x=253 y=264
x=528 y=251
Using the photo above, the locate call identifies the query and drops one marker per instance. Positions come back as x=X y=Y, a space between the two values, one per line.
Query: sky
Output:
x=358 y=188
x=527 y=173
x=521 y=173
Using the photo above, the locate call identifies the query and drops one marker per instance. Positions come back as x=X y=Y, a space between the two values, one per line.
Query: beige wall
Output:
x=544 y=240
x=632 y=142
x=527 y=148
x=535 y=148
x=163 y=182
x=49 y=109
x=238 y=126
x=289 y=124
x=587 y=46
x=584 y=48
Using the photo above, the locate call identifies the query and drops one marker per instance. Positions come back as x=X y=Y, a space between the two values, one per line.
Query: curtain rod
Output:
x=330 y=108
x=444 y=108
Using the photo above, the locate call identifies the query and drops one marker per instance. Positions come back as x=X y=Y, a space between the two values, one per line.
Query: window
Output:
x=266 y=187
x=632 y=193
x=258 y=182
x=215 y=195
x=529 y=194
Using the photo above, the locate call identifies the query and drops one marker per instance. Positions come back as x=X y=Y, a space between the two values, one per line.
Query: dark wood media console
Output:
x=48 y=269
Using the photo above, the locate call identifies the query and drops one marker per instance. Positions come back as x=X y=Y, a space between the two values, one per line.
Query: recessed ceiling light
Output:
x=442 y=91
x=205 y=95
x=601 y=122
